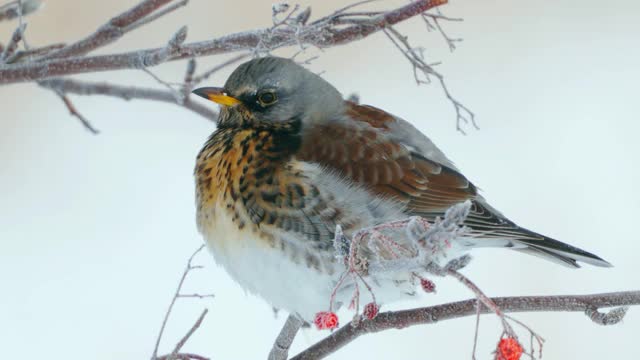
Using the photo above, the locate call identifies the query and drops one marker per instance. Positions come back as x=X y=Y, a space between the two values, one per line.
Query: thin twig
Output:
x=451 y=42
x=476 y=331
x=71 y=86
x=156 y=15
x=199 y=296
x=109 y=32
x=415 y=57
x=434 y=314
x=192 y=330
x=16 y=9
x=21 y=55
x=12 y=45
x=187 y=269
x=74 y=112
x=205 y=75
x=484 y=299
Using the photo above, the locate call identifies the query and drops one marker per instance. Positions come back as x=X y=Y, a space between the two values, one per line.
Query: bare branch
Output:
x=416 y=58
x=156 y=15
x=319 y=34
x=111 y=31
x=12 y=46
x=205 y=75
x=74 y=112
x=16 y=9
x=186 y=337
x=280 y=349
x=22 y=55
x=70 y=86
x=451 y=42
x=434 y=314
x=176 y=295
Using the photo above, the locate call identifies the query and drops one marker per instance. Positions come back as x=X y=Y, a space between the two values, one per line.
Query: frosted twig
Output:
x=15 y=9
x=451 y=42
x=74 y=112
x=115 y=28
x=12 y=45
x=22 y=55
x=78 y=87
x=476 y=330
x=206 y=74
x=72 y=60
x=280 y=349
x=485 y=300
x=156 y=15
x=463 y=114
x=433 y=314
x=186 y=337
x=534 y=336
x=176 y=295
x=611 y=317
x=178 y=96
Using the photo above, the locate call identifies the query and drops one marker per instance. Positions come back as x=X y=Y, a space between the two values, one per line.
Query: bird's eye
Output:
x=267 y=97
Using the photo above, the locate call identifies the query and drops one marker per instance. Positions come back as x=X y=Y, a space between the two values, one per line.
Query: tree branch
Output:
x=175 y=353
x=280 y=349
x=434 y=314
x=15 y=9
x=74 y=112
x=70 y=86
x=111 y=31
x=321 y=33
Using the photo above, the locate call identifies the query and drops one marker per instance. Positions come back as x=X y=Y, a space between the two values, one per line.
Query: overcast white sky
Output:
x=95 y=230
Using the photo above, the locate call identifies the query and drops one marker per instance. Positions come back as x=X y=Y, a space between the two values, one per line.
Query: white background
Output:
x=95 y=230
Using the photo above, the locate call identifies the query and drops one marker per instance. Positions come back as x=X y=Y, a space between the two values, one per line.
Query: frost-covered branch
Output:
x=432 y=249
x=175 y=353
x=280 y=349
x=321 y=33
x=433 y=314
x=292 y=27
x=16 y=9
x=422 y=72
x=79 y=87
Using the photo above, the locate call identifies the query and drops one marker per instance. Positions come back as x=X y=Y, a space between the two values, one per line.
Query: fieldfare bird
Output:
x=291 y=159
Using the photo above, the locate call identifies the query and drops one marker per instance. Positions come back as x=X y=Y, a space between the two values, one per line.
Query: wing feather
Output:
x=391 y=158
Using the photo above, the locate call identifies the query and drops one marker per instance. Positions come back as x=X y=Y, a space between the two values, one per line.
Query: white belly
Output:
x=266 y=271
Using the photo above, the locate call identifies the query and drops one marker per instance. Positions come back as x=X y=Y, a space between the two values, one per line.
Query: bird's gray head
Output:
x=274 y=90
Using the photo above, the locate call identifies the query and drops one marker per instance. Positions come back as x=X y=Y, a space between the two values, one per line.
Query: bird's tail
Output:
x=557 y=251
x=526 y=241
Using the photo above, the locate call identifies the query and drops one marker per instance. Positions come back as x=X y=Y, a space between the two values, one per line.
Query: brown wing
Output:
x=364 y=151
x=391 y=158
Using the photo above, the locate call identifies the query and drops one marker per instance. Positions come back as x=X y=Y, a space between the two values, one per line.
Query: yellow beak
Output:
x=217 y=95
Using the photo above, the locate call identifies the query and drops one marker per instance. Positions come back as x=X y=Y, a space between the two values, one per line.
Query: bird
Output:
x=291 y=159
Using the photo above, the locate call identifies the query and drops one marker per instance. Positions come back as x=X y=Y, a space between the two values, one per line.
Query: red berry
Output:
x=509 y=349
x=427 y=285
x=371 y=310
x=326 y=320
